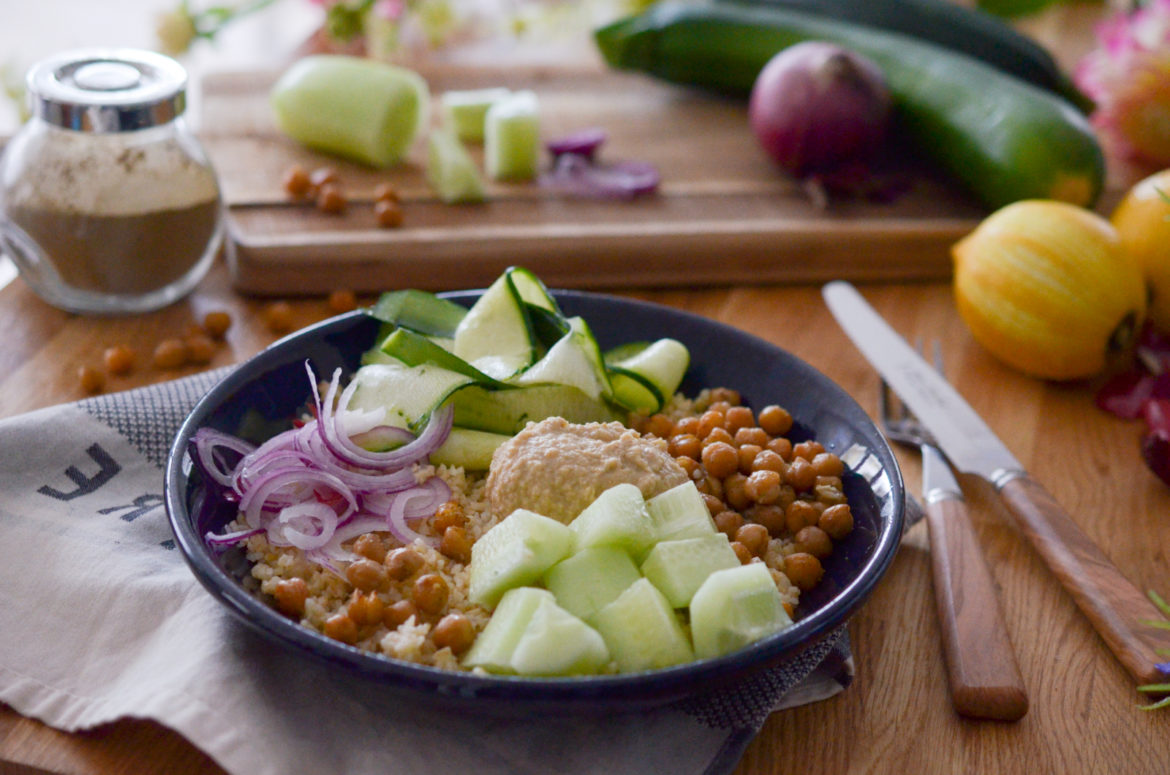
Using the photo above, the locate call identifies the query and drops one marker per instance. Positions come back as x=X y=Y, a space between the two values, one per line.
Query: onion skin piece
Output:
x=1046 y=287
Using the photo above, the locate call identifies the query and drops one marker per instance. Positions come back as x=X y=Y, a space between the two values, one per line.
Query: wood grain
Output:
x=720 y=196
x=982 y=670
x=1114 y=606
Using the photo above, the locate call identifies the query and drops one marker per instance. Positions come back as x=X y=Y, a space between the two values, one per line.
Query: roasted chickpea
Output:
x=720 y=459
x=747 y=456
x=723 y=395
x=455 y=632
x=200 y=349
x=814 y=541
x=403 y=562
x=803 y=570
x=170 y=354
x=397 y=613
x=767 y=460
x=290 y=596
x=341 y=627
x=763 y=486
x=829 y=494
x=331 y=199
x=430 y=593
x=808 y=450
x=296 y=181
x=217 y=323
x=342 y=300
x=709 y=421
x=713 y=504
x=456 y=544
x=775 y=420
x=800 y=474
x=770 y=516
x=91 y=380
x=119 y=359
x=799 y=514
x=323 y=176
x=278 y=317
x=365 y=609
x=367 y=575
x=687 y=425
x=686 y=445
x=710 y=485
x=782 y=447
x=385 y=192
x=371 y=546
x=728 y=522
x=450 y=514
x=754 y=537
x=659 y=425
x=734 y=493
x=828 y=464
x=718 y=436
x=756 y=436
x=837 y=521
x=388 y=214
x=738 y=417
x=742 y=553
x=689 y=465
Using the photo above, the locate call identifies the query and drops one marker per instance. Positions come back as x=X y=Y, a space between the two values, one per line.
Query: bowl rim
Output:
x=662 y=683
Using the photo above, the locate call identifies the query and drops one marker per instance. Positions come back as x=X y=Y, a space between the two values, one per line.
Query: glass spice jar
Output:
x=108 y=203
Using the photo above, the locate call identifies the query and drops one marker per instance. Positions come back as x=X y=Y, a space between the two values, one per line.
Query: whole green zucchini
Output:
x=948 y=24
x=1001 y=137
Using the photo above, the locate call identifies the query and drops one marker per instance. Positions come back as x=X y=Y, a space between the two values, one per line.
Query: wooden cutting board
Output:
x=723 y=213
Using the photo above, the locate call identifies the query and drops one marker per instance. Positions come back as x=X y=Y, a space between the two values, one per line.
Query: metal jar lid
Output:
x=107 y=90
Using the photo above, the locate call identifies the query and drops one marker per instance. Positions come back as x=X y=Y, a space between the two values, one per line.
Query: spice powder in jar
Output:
x=108 y=203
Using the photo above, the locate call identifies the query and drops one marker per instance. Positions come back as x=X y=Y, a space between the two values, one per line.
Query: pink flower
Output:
x=390 y=10
x=1128 y=76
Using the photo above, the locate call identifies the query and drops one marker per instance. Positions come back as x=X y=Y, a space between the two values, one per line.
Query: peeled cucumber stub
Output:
x=357 y=108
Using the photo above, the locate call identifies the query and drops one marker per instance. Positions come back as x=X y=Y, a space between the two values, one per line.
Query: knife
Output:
x=1112 y=604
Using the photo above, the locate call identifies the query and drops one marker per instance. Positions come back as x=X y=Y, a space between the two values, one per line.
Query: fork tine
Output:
x=938 y=358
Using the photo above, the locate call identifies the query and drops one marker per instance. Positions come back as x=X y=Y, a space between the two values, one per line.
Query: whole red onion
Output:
x=817 y=106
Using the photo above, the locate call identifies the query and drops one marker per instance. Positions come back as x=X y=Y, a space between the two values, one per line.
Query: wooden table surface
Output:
x=897 y=716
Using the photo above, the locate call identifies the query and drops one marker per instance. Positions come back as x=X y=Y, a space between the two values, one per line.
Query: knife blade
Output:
x=1112 y=604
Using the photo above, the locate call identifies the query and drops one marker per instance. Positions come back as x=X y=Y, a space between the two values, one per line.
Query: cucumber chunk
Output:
x=557 y=643
x=617 y=517
x=591 y=579
x=408 y=393
x=419 y=311
x=512 y=137
x=678 y=568
x=529 y=634
x=680 y=513
x=735 y=607
x=358 y=108
x=464 y=111
x=642 y=631
x=468 y=449
x=515 y=553
x=495 y=336
x=508 y=411
x=494 y=646
x=451 y=170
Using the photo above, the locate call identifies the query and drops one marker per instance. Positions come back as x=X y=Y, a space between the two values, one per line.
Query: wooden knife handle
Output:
x=981 y=663
x=1113 y=605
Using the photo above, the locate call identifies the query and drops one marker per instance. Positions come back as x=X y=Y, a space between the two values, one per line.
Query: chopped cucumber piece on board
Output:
x=678 y=568
x=591 y=579
x=358 y=108
x=735 y=607
x=512 y=137
x=495 y=336
x=408 y=393
x=464 y=111
x=469 y=449
x=680 y=513
x=515 y=553
x=617 y=517
x=450 y=169
x=642 y=631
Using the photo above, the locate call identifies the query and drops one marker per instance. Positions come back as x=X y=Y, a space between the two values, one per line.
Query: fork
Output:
x=982 y=670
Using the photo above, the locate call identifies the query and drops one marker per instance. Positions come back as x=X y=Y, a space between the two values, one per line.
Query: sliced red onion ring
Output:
x=575 y=175
x=583 y=142
x=303 y=483
x=229 y=539
x=307 y=525
x=207 y=443
x=412 y=505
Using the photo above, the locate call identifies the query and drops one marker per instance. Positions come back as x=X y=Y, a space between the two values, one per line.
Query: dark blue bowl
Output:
x=259 y=398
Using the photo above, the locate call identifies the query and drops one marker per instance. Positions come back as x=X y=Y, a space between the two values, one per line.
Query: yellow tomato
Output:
x=1142 y=220
x=1048 y=289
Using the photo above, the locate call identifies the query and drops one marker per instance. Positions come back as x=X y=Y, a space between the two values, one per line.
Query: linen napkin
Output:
x=101 y=619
